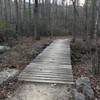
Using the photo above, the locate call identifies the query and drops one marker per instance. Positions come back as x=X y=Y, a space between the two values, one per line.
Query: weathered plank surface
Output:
x=53 y=65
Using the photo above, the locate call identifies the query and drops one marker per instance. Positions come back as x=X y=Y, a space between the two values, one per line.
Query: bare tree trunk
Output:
x=20 y=16
x=93 y=37
x=29 y=9
x=5 y=10
x=36 y=34
x=24 y=16
x=85 y=36
x=75 y=12
x=9 y=4
x=93 y=18
x=30 y=17
x=1 y=9
x=17 y=15
x=96 y=68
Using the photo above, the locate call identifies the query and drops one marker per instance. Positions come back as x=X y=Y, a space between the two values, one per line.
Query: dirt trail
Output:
x=42 y=91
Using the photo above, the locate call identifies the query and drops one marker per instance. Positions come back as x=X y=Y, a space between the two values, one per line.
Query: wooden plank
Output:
x=48 y=74
x=37 y=65
x=69 y=77
x=47 y=78
x=46 y=81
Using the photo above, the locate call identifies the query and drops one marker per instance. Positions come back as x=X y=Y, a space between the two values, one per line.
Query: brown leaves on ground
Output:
x=79 y=70
x=23 y=52
x=7 y=89
x=81 y=66
x=95 y=82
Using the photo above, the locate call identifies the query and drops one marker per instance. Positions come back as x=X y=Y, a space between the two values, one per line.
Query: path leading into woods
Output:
x=49 y=76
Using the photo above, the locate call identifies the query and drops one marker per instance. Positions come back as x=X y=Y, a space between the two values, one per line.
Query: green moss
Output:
x=4 y=25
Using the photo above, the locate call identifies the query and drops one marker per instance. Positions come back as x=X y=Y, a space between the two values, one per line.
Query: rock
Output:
x=7 y=74
x=83 y=81
x=83 y=85
x=4 y=48
x=78 y=95
x=89 y=93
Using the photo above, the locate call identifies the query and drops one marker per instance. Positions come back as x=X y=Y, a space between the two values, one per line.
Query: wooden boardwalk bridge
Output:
x=53 y=65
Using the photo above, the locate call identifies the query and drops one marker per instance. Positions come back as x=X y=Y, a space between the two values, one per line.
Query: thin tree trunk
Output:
x=93 y=19
x=36 y=34
x=17 y=15
x=9 y=4
x=5 y=10
x=20 y=16
x=75 y=15
x=30 y=17
x=1 y=9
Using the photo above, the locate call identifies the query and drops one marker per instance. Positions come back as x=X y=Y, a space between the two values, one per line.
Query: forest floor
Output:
x=50 y=90
x=23 y=51
x=81 y=65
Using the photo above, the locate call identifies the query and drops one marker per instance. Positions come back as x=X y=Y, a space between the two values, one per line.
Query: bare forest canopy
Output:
x=49 y=17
